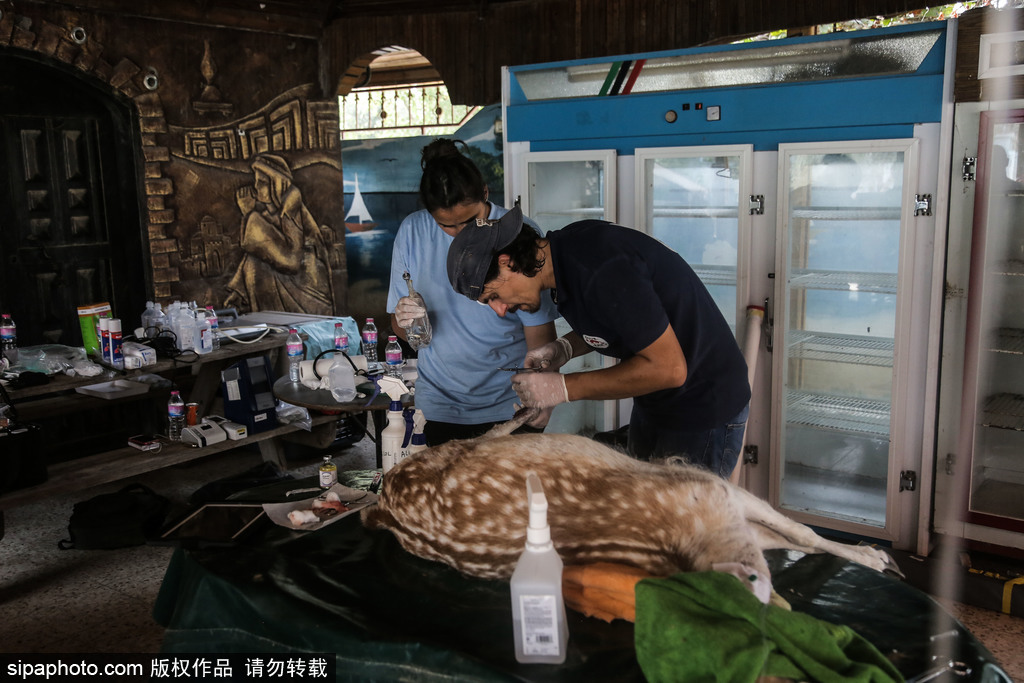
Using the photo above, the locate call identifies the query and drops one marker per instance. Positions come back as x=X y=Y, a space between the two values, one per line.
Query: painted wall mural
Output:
x=382 y=179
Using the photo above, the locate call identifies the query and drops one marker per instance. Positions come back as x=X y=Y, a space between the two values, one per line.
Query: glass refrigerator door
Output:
x=844 y=227
x=558 y=188
x=696 y=201
x=994 y=360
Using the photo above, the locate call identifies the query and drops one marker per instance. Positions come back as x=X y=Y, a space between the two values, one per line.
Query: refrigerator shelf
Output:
x=847 y=213
x=696 y=212
x=1007 y=340
x=1004 y=411
x=854 y=281
x=576 y=214
x=836 y=348
x=837 y=413
x=715 y=275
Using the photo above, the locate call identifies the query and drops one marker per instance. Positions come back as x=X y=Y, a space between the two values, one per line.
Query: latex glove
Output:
x=407 y=310
x=551 y=356
x=540 y=389
x=542 y=419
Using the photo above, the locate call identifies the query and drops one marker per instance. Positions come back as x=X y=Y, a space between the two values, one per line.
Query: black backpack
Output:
x=124 y=518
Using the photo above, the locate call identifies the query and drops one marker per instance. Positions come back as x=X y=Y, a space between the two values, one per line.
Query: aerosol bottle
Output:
x=419 y=333
x=116 y=351
x=539 y=627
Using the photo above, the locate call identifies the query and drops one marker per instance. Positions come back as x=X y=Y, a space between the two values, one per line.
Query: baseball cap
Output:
x=473 y=249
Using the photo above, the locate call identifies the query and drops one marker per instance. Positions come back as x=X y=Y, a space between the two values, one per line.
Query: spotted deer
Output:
x=464 y=503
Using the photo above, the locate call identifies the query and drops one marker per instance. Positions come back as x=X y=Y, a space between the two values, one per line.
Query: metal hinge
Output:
x=750 y=455
x=950 y=464
x=908 y=480
x=968 y=167
x=923 y=205
x=756 y=204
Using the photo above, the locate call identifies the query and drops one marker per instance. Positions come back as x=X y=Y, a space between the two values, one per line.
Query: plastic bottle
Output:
x=175 y=416
x=419 y=333
x=8 y=338
x=211 y=317
x=369 y=333
x=340 y=337
x=146 y=319
x=342 y=379
x=159 y=322
x=392 y=437
x=393 y=357
x=419 y=440
x=293 y=347
x=202 y=340
x=328 y=473
x=539 y=627
x=114 y=337
x=185 y=328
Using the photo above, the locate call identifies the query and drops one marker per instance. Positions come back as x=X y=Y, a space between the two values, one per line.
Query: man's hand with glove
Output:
x=550 y=356
x=540 y=389
x=408 y=310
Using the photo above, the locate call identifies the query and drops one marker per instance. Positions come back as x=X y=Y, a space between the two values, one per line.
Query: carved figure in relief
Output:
x=285 y=264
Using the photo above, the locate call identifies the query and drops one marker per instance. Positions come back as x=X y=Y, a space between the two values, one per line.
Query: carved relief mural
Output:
x=259 y=208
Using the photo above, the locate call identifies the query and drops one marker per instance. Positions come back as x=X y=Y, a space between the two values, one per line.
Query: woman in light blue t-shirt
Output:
x=460 y=388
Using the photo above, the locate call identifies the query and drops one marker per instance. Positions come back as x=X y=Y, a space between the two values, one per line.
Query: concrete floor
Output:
x=100 y=601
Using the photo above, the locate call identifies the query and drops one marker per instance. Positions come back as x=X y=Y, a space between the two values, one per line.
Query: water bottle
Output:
x=211 y=317
x=146 y=319
x=175 y=416
x=158 y=322
x=369 y=333
x=393 y=357
x=342 y=379
x=295 y=353
x=8 y=338
x=419 y=332
x=340 y=337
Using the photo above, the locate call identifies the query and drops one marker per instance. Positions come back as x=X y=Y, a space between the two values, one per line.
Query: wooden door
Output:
x=70 y=229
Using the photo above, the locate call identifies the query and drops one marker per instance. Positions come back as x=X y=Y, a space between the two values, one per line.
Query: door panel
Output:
x=70 y=229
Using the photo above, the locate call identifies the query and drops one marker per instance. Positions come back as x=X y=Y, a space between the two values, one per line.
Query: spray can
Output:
x=115 y=341
x=539 y=627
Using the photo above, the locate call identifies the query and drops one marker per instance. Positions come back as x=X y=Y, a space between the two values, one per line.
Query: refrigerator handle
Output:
x=769 y=323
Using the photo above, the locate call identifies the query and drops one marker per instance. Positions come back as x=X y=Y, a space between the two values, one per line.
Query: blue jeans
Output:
x=715 y=449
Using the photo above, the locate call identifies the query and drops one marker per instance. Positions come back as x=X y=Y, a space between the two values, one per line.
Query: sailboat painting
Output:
x=363 y=221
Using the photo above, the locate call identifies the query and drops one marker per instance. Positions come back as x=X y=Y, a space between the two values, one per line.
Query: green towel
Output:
x=707 y=626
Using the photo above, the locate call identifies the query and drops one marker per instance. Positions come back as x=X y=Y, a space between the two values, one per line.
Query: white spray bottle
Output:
x=538 y=611
x=393 y=435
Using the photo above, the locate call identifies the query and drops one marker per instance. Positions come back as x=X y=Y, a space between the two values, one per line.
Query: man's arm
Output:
x=661 y=365
x=538 y=335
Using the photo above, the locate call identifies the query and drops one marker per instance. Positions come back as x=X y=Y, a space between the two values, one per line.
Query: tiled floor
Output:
x=59 y=601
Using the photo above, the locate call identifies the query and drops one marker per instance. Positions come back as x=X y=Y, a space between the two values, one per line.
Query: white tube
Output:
x=751 y=346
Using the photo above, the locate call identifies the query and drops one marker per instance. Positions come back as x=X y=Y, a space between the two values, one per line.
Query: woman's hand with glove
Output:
x=540 y=389
x=407 y=310
x=550 y=356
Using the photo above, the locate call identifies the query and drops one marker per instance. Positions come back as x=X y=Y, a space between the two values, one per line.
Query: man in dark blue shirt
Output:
x=628 y=296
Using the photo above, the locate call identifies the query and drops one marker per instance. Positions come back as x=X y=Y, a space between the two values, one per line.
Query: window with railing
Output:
x=403 y=111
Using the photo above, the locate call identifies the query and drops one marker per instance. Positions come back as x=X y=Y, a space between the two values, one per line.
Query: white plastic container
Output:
x=341 y=377
x=392 y=437
x=539 y=627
